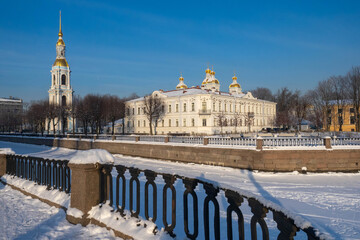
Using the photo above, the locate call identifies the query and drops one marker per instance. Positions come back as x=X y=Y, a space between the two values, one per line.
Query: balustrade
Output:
x=205 y=199
x=54 y=174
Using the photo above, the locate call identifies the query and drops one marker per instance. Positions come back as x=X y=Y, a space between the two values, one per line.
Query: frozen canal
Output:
x=330 y=202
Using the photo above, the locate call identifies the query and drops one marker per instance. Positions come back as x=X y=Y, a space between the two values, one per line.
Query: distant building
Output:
x=11 y=110
x=198 y=110
x=11 y=105
x=60 y=92
x=336 y=115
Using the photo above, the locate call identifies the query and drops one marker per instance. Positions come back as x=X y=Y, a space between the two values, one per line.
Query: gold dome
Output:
x=207 y=70
x=212 y=73
x=234 y=77
x=215 y=81
x=234 y=85
x=60 y=42
x=181 y=78
x=181 y=87
x=60 y=62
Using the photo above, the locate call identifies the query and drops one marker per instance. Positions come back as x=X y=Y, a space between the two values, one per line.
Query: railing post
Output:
x=137 y=139
x=259 y=143
x=113 y=137
x=166 y=139
x=327 y=142
x=85 y=190
x=206 y=141
x=3 y=164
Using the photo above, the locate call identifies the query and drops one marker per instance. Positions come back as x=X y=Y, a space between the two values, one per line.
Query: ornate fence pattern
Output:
x=293 y=142
x=55 y=174
x=345 y=141
x=232 y=141
x=131 y=177
x=191 y=140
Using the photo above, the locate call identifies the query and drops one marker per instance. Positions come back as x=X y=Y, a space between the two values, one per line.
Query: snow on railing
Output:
x=191 y=140
x=293 y=142
x=232 y=141
x=345 y=141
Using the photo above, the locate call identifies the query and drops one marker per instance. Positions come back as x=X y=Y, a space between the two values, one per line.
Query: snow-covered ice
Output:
x=330 y=202
x=22 y=217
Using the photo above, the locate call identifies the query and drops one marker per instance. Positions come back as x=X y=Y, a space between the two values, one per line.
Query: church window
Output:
x=162 y=123
x=184 y=107
x=193 y=122
x=63 y=79
x=213 y=106
x=169 y=109
x=133 y=111
x=169 y=122
x=184 y=123
x=204 y=122
x=204 y=106
x=219 y=106
x=63 y=101
x=138 y=111
x=177 y=122
x=139 y=123
x=193 y=107
x=177 y=107
x=230 y=108
x=53 y=79
x=144 y=123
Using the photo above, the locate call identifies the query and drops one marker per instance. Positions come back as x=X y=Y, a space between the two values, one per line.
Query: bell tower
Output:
x=61 y=92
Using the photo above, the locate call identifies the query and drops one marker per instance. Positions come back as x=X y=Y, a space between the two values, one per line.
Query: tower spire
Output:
x=60 y=32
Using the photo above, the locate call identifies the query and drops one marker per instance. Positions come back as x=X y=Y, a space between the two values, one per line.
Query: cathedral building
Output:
x=60 y=92
x=203 y=110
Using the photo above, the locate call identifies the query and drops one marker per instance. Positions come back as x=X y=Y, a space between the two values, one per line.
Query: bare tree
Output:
x=37 y=114
x=115 y=109
x=316 y=110
x=341 y=98
x=237 y=120
x=263 y=93
x=249 y=119
x=154 y=110
x=284 y=99
x=53 y=115
x=221 y=121
x=301 y=105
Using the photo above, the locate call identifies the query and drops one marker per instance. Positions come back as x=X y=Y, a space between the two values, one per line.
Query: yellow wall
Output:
x=347 y=126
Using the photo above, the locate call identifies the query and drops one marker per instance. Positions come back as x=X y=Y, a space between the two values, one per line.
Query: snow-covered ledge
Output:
x=85 y=183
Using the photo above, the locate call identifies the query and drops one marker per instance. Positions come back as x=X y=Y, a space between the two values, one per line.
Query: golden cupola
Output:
x=207 y=76
x=181 y=84
x=213 y=78
x=60 y=60
x=234 y=86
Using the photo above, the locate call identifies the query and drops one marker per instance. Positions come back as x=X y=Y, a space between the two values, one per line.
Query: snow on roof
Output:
x=13 y=100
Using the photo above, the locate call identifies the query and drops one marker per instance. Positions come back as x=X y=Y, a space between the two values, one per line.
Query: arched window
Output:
x=63 y=101
x=53 y=79
x=63 y=79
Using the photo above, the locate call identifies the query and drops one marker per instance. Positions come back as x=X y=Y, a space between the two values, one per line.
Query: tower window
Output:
x=53 y=79
x=63 y=101
x=63 y=79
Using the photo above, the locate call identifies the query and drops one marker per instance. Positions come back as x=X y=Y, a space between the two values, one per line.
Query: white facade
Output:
x=60 y=92
x=197 y=110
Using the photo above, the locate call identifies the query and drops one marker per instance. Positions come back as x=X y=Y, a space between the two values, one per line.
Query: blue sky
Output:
x=121 y=47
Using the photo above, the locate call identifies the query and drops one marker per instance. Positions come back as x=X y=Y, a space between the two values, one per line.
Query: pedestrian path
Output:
x=22 y=217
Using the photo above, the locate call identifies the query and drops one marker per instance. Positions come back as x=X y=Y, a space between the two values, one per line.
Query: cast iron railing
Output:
x=55 y=174
x=113 y=191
